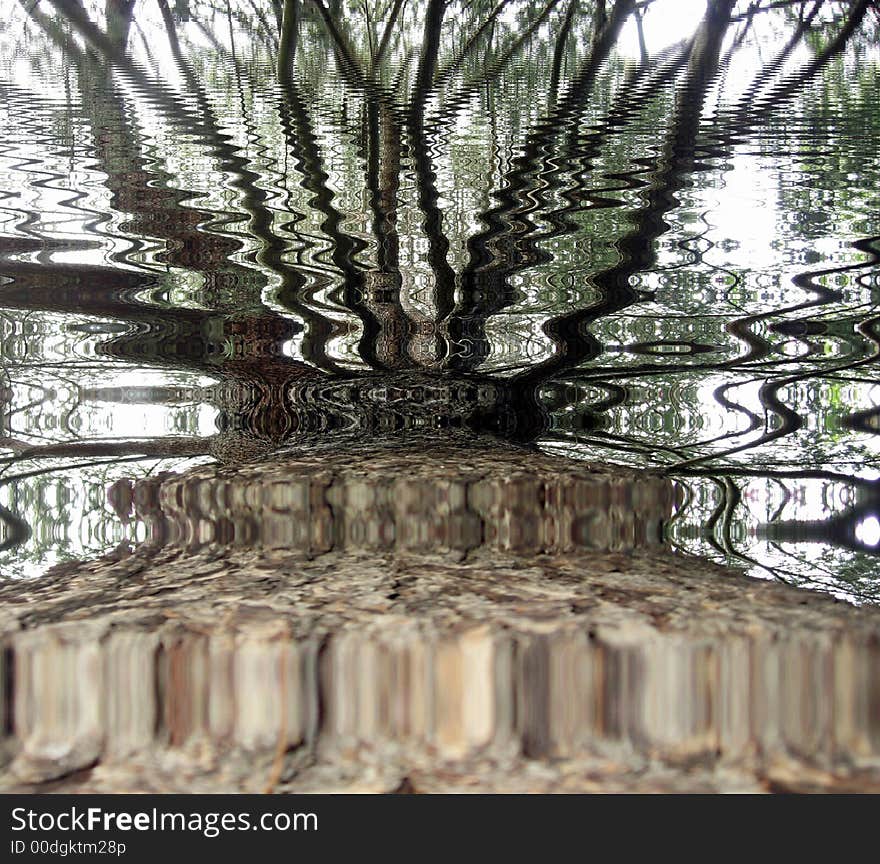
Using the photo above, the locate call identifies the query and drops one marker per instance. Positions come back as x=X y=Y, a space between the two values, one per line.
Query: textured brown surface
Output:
x=452 y=619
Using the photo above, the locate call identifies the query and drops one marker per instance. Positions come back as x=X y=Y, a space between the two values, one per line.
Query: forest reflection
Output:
x=642 y=233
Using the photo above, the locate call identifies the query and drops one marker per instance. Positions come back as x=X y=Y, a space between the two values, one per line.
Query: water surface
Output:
x=647 y=238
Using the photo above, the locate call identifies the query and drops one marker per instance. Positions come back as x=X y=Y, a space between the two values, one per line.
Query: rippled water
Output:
x=336 y=338
x=658 y=253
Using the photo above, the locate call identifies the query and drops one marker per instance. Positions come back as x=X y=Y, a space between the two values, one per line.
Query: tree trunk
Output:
x=459 y=616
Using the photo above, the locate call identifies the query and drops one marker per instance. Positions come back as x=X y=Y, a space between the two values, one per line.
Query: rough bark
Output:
x=456 y=616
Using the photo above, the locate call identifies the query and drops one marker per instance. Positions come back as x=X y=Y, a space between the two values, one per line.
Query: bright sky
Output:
x=665 y=22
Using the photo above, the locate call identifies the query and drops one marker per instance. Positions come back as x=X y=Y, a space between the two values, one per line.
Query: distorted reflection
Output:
x=346 y=627
x=289 y=280
x=657 y=229
x=255 y=708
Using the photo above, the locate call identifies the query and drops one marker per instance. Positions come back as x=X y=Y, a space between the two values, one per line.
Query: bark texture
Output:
x=426 y=617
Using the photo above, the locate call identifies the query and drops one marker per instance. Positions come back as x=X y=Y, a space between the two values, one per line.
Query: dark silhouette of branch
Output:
x=559 y=49
x=637 y=248
x=288 y=40
x=509 y=244
x=385 y=41
x=438 y=244
x=640 y=26
x=447 y=71
x=791 y=85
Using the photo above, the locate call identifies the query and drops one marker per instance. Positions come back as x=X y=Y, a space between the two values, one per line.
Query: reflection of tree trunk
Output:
x=425 y=348
x=636 y=250
x=300 y=140
x=118 y=14
x=559 y=49
x=267 y=367
x=388 y=148
x=289 y=38
x=438 y=244
x=182 y=338
x=430 y=47
x=298 y=131
x=640 y=26
x=382 y=285
x=600 y=18
x=510 y=243
x=375 y=295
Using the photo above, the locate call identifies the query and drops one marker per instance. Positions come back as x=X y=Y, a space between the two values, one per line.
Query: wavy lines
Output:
x=577 y=154
x=635 y=249
x=118 y=151
x=510 y=241
x=788 y=421
x=335 y=254
x=35 y=169
x=755 y=108
x=420 y=219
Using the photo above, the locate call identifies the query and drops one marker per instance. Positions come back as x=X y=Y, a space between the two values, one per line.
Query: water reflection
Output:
x=664 y=250
x=264 y=236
